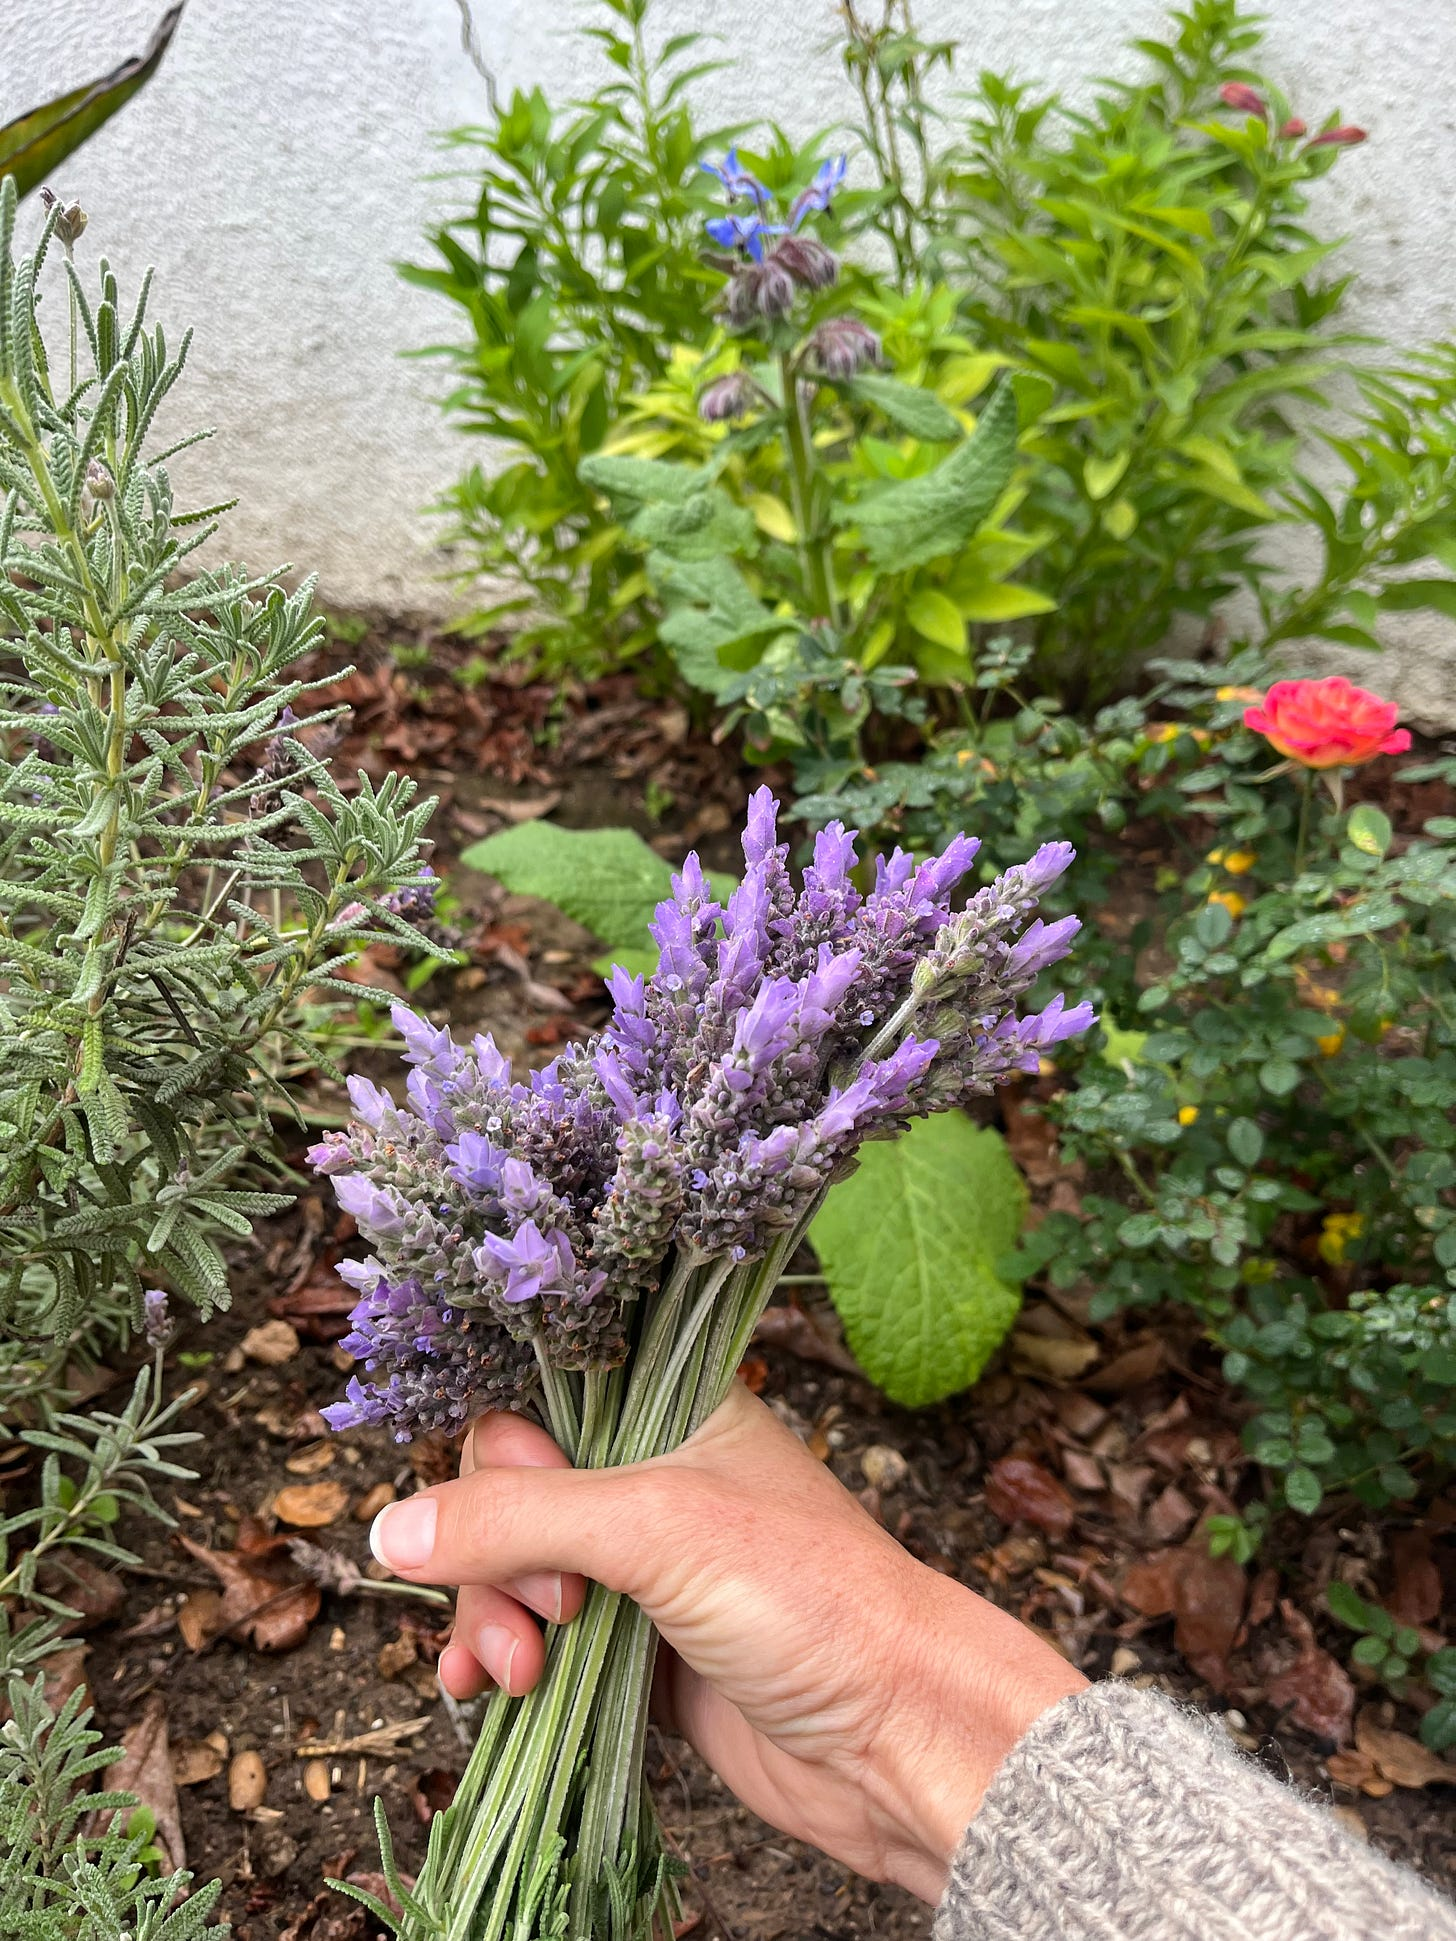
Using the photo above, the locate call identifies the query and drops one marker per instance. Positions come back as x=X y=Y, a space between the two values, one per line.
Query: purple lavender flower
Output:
x=157 y=1322
x=514 y=1223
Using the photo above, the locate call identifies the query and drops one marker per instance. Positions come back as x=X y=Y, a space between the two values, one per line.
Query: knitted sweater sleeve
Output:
x=1121 y=1817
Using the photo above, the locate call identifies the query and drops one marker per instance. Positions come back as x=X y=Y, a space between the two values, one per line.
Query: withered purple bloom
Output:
x=515 y=1226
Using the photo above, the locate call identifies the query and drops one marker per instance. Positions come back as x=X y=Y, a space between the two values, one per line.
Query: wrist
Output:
x=967 y=1684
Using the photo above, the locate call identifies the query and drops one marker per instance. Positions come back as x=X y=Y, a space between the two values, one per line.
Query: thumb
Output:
x=501 y=1522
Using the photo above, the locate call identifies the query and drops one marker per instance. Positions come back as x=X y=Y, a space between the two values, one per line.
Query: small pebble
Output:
x=316 y=1780
x=883 y=1467
x=272 y=1343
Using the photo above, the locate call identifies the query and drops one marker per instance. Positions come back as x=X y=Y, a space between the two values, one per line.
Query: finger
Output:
x=500 y=1525
x=461 y=1675
x=499 y=1637
x=505 y=1440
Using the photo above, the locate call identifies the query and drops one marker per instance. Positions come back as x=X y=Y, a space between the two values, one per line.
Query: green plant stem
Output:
x=813 y=549
x=1301 y=840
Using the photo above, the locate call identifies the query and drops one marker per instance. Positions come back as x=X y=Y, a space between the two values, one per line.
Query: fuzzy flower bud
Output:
x=1247 y=100
x=807 y=260
x=727 y=397
x=842 y=346
x=1345 y=137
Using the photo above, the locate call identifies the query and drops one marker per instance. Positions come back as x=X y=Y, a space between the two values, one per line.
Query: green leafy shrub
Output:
x=181 y=879
x=577 y=269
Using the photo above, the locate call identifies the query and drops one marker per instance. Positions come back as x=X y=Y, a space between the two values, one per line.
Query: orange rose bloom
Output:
x=1328 y=724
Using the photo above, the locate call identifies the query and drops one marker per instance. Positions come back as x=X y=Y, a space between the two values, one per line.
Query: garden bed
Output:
x=1066 y=1486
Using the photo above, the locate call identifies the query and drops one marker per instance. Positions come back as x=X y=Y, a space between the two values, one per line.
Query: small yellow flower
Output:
x=1187 y=1114
x=1159 y=731
x=965 y=755
x=1336 y=1235
x=1332 y=1041
x=1231 y=901
x=1249 y=694
x=1238 y=862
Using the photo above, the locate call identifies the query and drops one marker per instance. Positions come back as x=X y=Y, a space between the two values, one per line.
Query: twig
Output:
x=383 y=1739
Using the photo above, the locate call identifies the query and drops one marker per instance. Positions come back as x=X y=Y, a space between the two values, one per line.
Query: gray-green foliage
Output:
x=77 y=1864
x=181 y=879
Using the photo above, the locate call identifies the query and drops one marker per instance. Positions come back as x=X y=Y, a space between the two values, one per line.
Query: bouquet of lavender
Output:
x=596 y=1243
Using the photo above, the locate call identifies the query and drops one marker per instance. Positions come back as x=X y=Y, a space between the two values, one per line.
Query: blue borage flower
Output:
x=514 y=1223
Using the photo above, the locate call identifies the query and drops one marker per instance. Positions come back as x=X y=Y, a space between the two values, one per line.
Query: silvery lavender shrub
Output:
x=597 y=1239
x=181 y=878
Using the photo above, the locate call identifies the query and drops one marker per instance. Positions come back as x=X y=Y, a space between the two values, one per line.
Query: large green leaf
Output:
x=642 y=481
x=909 y=1245
x=925 y=518
x=35 y=144
x=910 y=406
x=711 y=606
x=607 y=880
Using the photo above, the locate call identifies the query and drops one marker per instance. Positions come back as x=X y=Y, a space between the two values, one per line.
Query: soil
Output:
x=1065 y=1487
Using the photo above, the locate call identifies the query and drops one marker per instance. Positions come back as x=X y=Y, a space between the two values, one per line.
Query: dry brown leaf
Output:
x=1060 y=1357
x=312 y=1458
x=65 y=1672
x=1416 y=1596
x=1352 y=1769
x=92 y=1591
x=1170 y=1516
x=272 y=1343
x=373 y=1501
x=196 y=1760
x=797 y=1333
x=247 y=1782
x=1316 y=1689
x=1019 y=1490
x=1205 y=1597
x=311 y=1506
x=1400 y=1759
x=200 y=1619
x=273 y=1613
x=1082 y=1471
x=1128 y=1370
x=145 y=1768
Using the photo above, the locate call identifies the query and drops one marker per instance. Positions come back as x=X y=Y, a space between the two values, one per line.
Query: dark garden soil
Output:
x=1069 y=1486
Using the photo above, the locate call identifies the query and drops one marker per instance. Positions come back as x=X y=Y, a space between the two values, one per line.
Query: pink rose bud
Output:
x=1347 y=137
x=1293 y=129
x=1248 y=101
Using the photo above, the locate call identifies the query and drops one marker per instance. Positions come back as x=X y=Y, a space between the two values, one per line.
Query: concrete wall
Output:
x=280 y=162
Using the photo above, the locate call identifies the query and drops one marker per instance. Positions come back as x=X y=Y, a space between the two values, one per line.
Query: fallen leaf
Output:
x=1082 y=1471
x=1128 y=1370
x=65 y=1672
x=1129 y=1482
x=797 y=1333
x=1416 y=1596
x=1400 y=1759
x=373 y=1501
x=1170 y=1516
x=311 y=1506
x=313 y=1457
x=1316 y=1689
x=1353 y=1769
x=92 y=1592
x=145 y=1768
x=271 y=1612
x=432 y=1792
x=1061 y=1357
x=196 y=1760
x=1203 y=1595
x=272 y=1343
x=526 y=809
x=200 y=1618
x=247 y=1782
x=1019 y=1490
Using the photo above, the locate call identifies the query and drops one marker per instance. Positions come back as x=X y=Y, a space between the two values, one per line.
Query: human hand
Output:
x=850 y=1696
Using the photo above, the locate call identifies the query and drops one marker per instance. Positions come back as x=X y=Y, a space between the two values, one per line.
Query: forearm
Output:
x=1119 y=1815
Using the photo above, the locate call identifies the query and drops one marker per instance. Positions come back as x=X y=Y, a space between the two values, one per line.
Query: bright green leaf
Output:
x=909 y=1246
x=1099 y=475
x=1368 y=829
x=907 y=406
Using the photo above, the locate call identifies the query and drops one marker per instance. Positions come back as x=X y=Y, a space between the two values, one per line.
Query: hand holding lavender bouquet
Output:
x=596 y=1243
